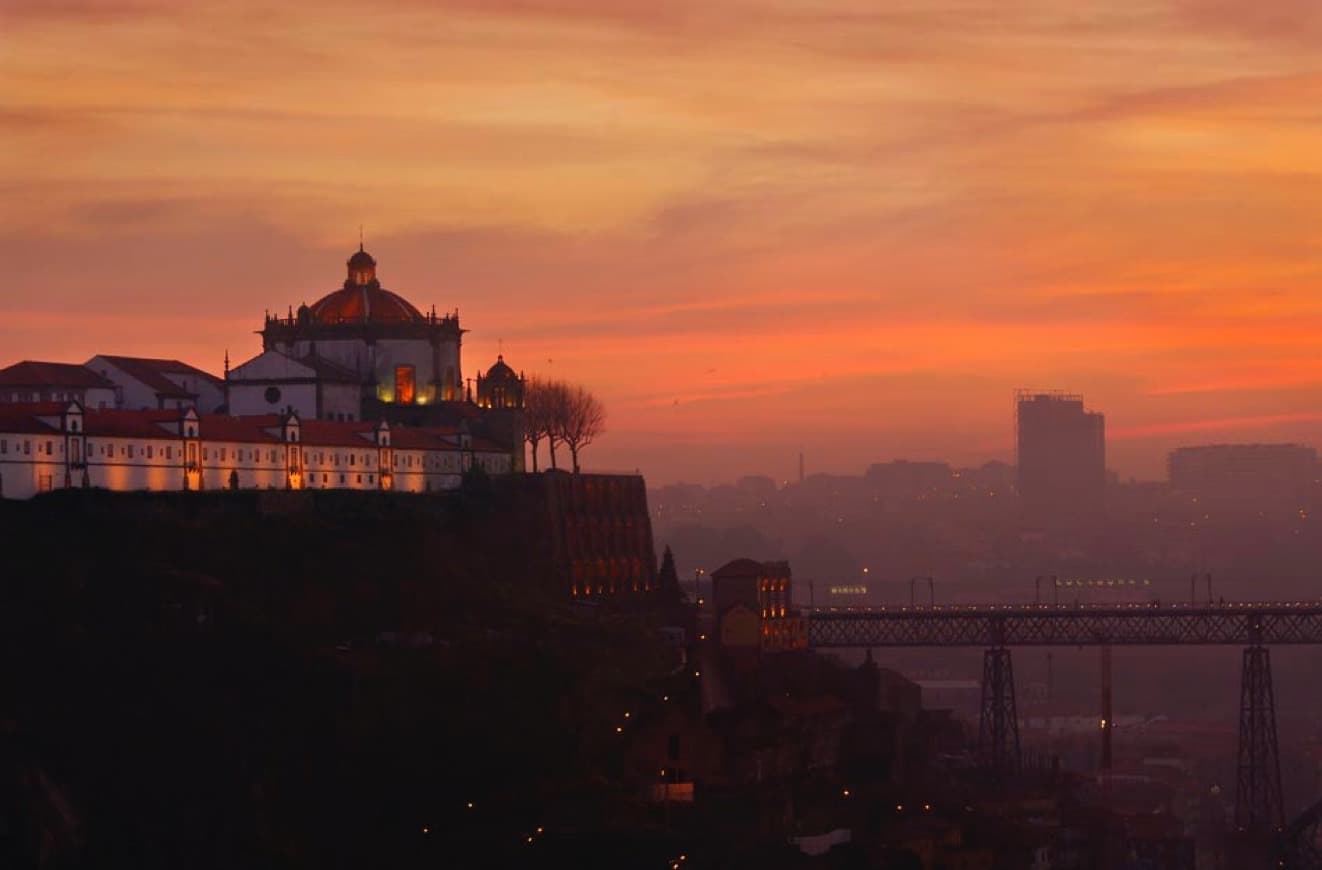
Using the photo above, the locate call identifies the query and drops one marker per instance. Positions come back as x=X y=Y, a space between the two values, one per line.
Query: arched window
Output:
x=405 y=385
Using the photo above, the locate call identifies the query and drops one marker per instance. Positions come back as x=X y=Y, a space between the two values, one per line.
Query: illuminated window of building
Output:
x=405 y=391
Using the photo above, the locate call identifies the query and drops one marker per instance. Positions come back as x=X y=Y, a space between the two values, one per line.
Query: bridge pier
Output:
x=1259 y=804
x=998 y=724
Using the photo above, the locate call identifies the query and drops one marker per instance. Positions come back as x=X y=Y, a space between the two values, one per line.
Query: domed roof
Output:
x=368 y=303
x=361 y=260
x=501 y=370
x=362 y=299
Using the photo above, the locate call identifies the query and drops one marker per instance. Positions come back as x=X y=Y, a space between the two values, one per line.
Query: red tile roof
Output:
x=32 y=373
x=486 y=445
x=333 y=433
x=255 y=429
x=25 y=417
x=131 y=424
x=430 y=438
x=152 y=372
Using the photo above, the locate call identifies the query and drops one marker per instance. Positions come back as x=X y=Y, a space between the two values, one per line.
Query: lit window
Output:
x=405 y=392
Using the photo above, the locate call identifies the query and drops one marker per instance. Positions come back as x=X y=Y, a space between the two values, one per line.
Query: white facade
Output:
x=142 y=383
x=44 y=447
x=38 y=381
x=88 y=397
x=273 y=382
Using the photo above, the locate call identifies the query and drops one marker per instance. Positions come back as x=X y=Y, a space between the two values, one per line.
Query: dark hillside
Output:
x=266 y=679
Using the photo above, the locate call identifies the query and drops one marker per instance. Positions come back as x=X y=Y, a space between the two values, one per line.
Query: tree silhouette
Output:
x=582 y=418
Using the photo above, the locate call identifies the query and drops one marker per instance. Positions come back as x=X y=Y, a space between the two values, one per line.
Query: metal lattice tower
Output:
x=998 y=727
x=1259 y=806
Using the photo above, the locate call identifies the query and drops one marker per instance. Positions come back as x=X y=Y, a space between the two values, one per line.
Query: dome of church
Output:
x=362 y=299
x=361 y=260
x=368 y=303
x=500 y=387
x=501 y=370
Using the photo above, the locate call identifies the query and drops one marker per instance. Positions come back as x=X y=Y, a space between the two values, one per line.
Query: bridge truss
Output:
x=1255 y=626
x=1047 y=625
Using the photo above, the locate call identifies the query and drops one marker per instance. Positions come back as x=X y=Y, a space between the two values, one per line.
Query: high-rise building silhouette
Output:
x=1062 y=457
x=1247 y=475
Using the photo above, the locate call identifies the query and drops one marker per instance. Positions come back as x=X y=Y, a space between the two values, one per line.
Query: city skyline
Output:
x=750 y=234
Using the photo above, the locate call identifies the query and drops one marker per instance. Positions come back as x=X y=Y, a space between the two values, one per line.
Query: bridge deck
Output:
x=1240 y=624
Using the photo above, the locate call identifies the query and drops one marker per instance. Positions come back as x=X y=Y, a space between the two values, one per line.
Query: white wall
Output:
x=161 y=464
x=341 y=401
x=89 y=397
x=209 y=396
x=349 y=353
x=133 y=394
x=24 y=463
x=248 y=399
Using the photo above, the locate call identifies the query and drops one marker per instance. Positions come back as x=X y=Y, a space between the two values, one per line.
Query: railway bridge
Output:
x=1255 y=626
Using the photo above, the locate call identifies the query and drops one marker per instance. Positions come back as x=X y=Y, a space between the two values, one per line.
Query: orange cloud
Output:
x=773 y=224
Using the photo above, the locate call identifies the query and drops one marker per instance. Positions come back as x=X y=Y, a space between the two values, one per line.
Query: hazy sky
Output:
x=849 y=226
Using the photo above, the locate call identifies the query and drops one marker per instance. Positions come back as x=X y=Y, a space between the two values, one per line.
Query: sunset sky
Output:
x=848 y=226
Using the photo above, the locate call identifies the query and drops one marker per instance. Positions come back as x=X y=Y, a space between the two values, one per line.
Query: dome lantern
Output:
x=362 y=269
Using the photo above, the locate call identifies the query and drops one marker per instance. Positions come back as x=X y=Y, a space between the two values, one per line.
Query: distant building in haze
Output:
x=1062 y=457
x=754 y=610
x=903 y=479
x=1248 y=475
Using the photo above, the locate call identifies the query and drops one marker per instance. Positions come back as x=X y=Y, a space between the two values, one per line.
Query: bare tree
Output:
x=545 y=404
x=557 y=401
x=582 y=420
x=536 y=415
